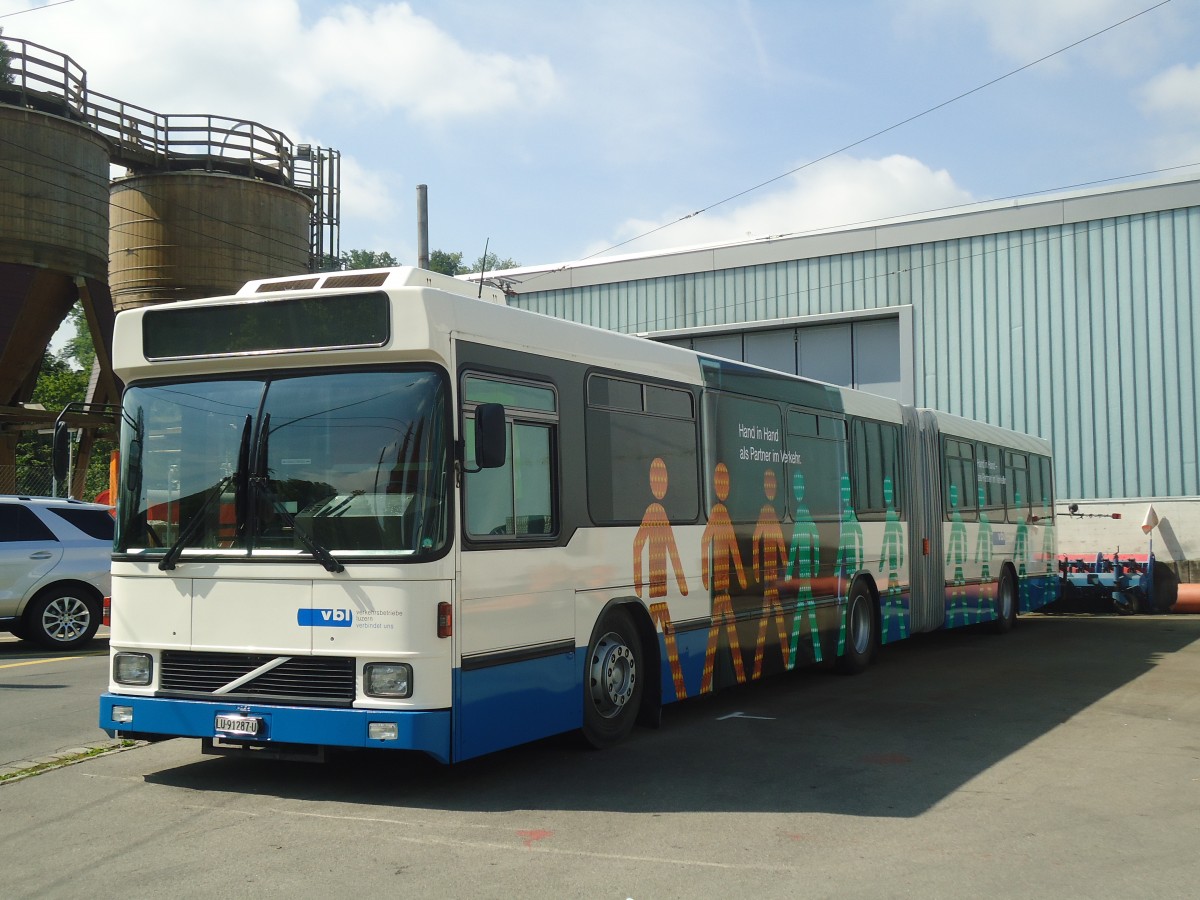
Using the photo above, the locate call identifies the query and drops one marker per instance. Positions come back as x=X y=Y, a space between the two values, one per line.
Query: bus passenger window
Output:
x=516 y=499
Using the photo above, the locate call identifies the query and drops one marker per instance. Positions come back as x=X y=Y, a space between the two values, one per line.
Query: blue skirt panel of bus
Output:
x=514 y=703
x=424 y=730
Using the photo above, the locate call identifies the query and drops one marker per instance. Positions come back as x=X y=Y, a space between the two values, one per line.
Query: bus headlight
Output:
x=392 y=681
x=133 y=668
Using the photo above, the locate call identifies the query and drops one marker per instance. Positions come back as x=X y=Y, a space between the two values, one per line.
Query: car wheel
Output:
x=61 y=618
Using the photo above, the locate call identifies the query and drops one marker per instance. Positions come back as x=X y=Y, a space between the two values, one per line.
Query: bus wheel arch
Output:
x=1006 y=602
x=615 y=673
x=863 y=624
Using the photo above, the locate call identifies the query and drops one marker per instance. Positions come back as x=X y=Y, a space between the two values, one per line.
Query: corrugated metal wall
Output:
x=1083 y=333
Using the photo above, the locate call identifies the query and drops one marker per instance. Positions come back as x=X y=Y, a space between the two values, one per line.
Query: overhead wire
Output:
x=870 y=137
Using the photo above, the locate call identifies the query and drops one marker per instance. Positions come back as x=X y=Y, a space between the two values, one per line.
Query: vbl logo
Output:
x=325 y=618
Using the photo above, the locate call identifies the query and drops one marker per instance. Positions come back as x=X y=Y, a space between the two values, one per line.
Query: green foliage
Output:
x=80 y=348
x=368 y=259
x=439 y=261
x=6 y=74
x=60 y=383
x=490 y=262
x=446 y=263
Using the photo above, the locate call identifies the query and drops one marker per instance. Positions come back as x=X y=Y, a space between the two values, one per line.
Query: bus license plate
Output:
x=234 y=724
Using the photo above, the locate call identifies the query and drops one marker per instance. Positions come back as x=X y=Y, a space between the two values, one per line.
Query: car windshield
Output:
x=352 y=463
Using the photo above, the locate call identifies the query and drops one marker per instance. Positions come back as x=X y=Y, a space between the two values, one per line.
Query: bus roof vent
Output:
x=357 y=280
x=398 y=277
x=296 y=284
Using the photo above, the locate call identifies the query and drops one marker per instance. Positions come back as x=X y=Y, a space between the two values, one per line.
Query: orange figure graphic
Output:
x=719 y=546
x=656 y=532
x=770 y=557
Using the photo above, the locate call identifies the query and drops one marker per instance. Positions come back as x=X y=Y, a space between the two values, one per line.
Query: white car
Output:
x=55 y=556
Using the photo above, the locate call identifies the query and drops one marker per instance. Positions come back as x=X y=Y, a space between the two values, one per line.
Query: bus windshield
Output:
x=352 y=463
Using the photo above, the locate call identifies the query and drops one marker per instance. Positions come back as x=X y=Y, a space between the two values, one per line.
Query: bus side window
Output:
x=515 y=499
x=962 y=494
x=878 y=480
x=1016 y=470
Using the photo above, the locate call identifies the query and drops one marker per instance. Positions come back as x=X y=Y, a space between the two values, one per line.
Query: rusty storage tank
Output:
x=184 y=235
x=53 y=230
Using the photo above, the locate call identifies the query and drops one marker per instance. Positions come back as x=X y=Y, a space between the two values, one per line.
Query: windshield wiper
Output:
x=167 y=563
x=261 y=482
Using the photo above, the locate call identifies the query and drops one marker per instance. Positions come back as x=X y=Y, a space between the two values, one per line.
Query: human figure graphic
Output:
x=1021 y=553
x=803 y=564
x=983 y=553
x=655 y=532
x=850 y=557
x=770 y=559
x=892 y=552
x=718 y=549
x=956 y=555
x=1048 y=566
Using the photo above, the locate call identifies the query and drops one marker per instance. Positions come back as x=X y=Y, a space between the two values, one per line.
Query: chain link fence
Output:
x=29 y=481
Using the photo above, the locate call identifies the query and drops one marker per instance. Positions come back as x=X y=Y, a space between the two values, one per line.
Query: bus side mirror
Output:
x=490 y=436
x=60 y=455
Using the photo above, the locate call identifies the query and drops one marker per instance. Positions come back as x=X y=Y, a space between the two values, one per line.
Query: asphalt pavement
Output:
x=48 y=700
x=1061 y=760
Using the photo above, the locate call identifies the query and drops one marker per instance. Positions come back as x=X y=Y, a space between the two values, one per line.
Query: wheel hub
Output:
x=613 y=675
x=66 y=618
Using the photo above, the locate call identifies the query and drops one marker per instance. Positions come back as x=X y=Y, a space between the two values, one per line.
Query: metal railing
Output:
x=145 y=141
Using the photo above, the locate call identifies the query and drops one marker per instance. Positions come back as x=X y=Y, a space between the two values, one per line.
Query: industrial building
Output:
x=1070 y=316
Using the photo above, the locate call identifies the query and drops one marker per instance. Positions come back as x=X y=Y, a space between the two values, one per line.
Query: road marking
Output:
x=36 y=662
x=739 y=715
x=432 y=841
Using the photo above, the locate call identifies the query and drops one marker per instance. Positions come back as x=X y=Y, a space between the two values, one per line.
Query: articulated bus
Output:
x=385 y=509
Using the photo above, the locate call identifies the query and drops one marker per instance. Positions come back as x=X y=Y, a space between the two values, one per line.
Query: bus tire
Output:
x=612 y=680
x=862 y=629
x=1005 y=603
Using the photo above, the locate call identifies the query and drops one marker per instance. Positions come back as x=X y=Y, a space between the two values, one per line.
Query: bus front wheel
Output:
x=612 y=689
x=862 y=629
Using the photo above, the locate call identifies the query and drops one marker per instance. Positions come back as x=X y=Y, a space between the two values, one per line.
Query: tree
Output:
x=490 y=262
x=59 y=383
x=368 y=259
x=80 y=348
x=6 y=72
x=446 y=263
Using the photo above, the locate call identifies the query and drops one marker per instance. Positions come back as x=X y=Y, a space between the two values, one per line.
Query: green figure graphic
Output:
x=1048 y=548
x=850 y=556
x=956 y=554
x=893 y=551
x=983 y=552
x=803 y=562
x=1021 y=555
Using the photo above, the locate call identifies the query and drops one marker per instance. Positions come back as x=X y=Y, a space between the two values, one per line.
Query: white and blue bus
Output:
x=378 y=509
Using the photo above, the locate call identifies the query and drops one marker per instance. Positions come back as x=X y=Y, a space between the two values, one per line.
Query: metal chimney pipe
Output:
x=422 y=226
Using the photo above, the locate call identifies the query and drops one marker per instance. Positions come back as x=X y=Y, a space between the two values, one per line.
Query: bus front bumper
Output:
x=154 y=717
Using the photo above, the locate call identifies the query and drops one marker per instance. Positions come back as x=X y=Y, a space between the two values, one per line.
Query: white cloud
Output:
x=1174 y=93
x=1173 y=97
x=842 y=191
x=261 y=60
x=1025 y=30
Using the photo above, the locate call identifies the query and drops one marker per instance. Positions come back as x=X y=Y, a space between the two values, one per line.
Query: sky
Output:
x=554 y=131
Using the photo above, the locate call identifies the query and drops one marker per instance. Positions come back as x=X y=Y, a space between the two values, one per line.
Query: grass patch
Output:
x=67 y=760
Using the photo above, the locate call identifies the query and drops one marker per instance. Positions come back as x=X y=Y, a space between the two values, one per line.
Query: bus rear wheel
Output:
x=862 y=630
x=1005 y=603
x=612 y=688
